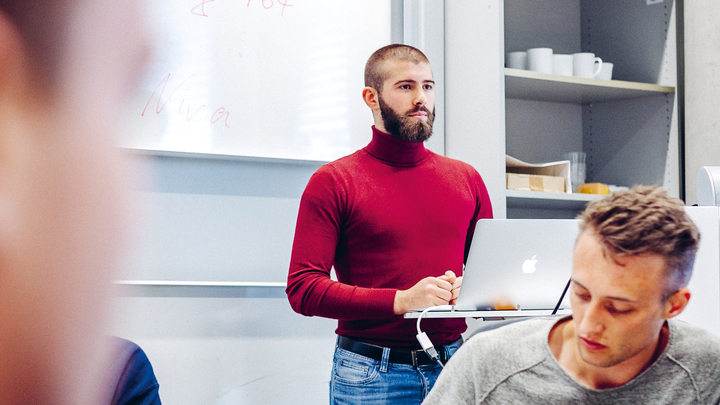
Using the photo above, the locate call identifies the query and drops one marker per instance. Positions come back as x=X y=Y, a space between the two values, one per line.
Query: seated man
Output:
x=631 y=265
x=134 y=376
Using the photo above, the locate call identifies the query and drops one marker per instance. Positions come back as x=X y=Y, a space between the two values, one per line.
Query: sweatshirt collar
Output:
x=395 y=151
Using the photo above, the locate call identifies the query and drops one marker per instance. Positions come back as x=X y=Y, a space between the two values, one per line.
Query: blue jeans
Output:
x=357 y=379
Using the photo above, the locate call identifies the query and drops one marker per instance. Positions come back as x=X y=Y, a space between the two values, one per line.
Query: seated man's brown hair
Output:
x=626 y=223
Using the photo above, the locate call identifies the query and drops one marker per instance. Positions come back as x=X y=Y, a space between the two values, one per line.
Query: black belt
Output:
x=413 y=357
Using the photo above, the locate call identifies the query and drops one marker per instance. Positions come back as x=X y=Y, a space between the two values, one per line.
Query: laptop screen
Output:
x=518 y=264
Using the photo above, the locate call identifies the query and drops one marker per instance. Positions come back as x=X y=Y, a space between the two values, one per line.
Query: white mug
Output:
x=540 y=60
x=585 y=64
x=563 y=65
x=606 y=71
x=517 y=60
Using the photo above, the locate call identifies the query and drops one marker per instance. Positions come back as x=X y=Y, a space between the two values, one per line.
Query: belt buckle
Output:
x=413 y=354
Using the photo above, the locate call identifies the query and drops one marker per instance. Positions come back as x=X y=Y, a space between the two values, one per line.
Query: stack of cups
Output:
x=581 y=64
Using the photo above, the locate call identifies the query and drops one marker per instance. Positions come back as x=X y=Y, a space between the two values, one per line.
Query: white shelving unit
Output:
x=542 y=87
x=627 y=126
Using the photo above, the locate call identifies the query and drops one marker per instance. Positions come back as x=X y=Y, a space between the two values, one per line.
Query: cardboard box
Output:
x=535 y=182
x=551 y=177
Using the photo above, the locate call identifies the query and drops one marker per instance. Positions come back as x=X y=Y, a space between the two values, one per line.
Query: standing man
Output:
x=631 y=266
x=395 y=220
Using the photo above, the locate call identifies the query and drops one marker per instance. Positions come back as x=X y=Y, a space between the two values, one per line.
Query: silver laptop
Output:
x=518 y=264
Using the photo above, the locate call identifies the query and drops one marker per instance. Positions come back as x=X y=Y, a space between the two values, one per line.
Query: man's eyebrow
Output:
x=623 y=299
x=576 y=282
x=610 y=297
x=413 y=81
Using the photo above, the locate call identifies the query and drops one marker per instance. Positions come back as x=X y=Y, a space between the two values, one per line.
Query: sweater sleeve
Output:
x=310 y=289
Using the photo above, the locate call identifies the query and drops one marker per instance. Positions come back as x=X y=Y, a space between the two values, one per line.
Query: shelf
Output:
x=199 y=289
x=218 y=156
x=529 y=85
x=543 y=200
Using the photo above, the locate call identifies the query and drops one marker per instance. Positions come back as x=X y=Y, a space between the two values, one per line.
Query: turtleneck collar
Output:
x=395 y=151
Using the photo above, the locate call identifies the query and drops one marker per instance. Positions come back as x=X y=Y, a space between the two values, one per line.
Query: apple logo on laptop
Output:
x=528 y=265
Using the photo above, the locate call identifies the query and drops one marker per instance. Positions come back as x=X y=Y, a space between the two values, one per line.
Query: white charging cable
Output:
x=423 y=338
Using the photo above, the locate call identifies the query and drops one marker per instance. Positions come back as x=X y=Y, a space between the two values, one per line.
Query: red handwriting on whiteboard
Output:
x=199 y=9
x=191 y=111
x=268 y=4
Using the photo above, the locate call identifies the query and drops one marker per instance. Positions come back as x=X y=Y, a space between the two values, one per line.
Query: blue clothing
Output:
x=358 y=379
x=137 y=384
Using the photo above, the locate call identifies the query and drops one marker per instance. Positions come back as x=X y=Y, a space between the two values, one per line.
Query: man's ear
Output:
x=371 y=98
x=676 y=303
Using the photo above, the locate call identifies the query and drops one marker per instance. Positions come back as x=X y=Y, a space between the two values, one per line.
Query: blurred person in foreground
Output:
x=631 y=266
x=65 y=68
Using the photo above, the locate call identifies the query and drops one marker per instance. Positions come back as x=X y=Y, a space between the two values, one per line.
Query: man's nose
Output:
x=419 y=97
x=593 y=321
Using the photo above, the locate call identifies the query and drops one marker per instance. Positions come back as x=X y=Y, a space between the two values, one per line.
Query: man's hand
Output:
x=428 y=292
x=450 y=277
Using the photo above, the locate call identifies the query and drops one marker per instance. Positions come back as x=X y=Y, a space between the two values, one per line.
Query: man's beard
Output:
x=406 y=129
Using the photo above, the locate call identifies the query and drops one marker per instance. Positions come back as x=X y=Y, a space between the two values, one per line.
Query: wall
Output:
x=702 y=90
x=210 y=219
x=474 y=82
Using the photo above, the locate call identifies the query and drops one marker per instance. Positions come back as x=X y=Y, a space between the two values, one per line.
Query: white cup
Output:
x=517 y=60
x=585 y=64
x=606 y=71
x=540 y=60
x=563 y=65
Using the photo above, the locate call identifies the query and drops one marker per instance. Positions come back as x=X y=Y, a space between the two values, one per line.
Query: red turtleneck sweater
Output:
x=385 y=216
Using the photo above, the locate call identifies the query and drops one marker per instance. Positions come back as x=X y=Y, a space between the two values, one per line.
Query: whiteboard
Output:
x=267 y=78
